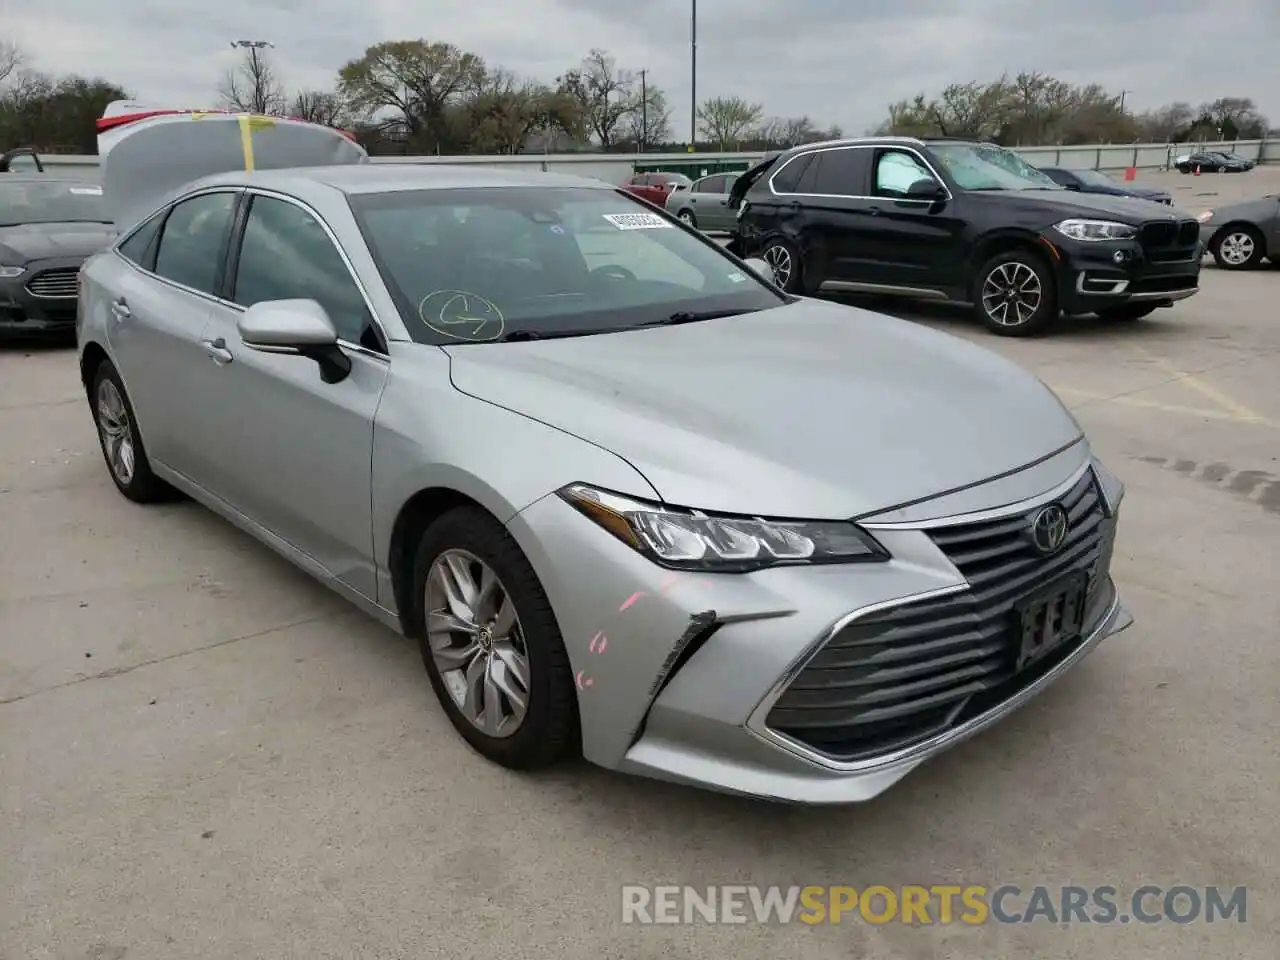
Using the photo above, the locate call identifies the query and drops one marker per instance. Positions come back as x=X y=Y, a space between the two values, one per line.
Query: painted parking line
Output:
x=1129 y=400
x=1205 y=389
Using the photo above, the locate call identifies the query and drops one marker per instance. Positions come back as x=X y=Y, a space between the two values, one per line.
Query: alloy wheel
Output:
x=1011 y=294
x=1236 y=248
x=116 y=432
x=779 y=257
x=475 y=639
x=686 y=217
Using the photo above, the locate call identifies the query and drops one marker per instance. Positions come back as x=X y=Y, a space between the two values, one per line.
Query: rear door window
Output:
x=842 y=173
x=787 y=179
x=193 y=243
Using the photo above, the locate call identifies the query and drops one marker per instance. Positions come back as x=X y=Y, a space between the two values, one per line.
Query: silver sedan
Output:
x=1239 y=236
x=631 y=499
x=705 y=203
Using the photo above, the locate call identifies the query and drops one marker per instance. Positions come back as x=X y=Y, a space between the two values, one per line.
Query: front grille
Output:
x=62 y=283
x=1168 y=239
x=898 y=676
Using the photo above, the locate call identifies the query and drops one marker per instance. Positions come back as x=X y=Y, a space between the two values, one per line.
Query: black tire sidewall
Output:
x=548 y=731
x=796 y=280
x=1251 y=263
x=688 y=217
x=1044 y=317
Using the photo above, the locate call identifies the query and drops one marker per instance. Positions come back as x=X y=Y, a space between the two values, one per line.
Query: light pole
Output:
x=693 y=76
x=644 y=109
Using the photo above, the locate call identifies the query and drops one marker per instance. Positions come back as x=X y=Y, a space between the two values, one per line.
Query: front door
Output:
x=288 y=450
x=908 y=243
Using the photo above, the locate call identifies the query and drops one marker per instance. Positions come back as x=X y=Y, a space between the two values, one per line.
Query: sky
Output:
x=837 y=61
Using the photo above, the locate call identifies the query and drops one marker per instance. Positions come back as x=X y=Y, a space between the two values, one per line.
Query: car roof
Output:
x=362 y=178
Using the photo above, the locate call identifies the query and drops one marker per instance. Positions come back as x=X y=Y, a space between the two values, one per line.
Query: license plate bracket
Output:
x=1049 y=617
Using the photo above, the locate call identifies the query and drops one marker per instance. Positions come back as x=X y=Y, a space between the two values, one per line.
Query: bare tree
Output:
x=725 y=121
x=650 y=122
x=318 y=106
x=10 y=59
x=605 y=96
x=253 y=85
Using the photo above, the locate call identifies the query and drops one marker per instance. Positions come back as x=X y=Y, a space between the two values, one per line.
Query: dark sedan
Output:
x=1092 y=181
x=48 y=228
x=1212 y=162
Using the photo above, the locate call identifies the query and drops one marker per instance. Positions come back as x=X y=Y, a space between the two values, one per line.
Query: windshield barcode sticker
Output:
x=637 y=221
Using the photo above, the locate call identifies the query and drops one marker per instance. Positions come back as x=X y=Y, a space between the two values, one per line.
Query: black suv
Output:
x=960 y=221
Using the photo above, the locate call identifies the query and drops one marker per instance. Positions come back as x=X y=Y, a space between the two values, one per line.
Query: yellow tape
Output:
x=246 y=141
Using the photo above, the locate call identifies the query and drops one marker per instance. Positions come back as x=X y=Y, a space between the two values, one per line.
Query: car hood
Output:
x=811 y=409
x=46 y=241
x=1060 y=204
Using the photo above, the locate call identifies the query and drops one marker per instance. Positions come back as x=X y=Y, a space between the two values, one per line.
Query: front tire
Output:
x=121 y=444
x=686 y=217
x=490 y=643
x=788 y=271
x=1128 y=311
x=1238 y=248
x=1014 y=294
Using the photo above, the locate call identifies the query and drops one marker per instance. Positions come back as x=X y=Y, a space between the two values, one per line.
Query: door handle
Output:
x=217 y=349
x=120 y=309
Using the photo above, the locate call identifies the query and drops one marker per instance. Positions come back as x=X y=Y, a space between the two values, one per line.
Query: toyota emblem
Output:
x=1049 y=528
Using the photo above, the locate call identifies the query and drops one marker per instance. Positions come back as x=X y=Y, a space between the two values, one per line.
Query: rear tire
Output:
x=1238 y=248
x=785 y=260
x=1128 y=311
x=520 y=654
x=121 y=443
x=1015 y=295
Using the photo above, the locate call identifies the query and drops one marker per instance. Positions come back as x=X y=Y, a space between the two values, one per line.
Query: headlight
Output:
x=717 y=543
x=1096 y=230
x=8 y=273
x=1205 y=217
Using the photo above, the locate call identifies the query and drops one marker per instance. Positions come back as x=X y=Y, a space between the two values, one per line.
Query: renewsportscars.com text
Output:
x=937 y=904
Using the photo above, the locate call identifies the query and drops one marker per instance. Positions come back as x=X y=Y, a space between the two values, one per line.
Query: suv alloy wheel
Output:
x=1014 y=294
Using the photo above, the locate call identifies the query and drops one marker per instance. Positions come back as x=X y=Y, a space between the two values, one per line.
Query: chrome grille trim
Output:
x=61 y=283
x=910 y=671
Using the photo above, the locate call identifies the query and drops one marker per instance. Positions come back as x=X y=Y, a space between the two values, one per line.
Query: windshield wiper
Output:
x=692 y=316
x=516 y=336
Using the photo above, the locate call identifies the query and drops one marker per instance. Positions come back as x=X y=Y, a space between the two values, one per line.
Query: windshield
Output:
x=981 y=166
x=675 y=179
x=478 y=265
x=50 y=201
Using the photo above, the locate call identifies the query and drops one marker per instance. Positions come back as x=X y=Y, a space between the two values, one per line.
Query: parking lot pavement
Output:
x=204 y=754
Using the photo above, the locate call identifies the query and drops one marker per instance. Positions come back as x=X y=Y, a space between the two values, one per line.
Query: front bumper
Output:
x=1095 y=276
x=44 y=307
x=689 y=678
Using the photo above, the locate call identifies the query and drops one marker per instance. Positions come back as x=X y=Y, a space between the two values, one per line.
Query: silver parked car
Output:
x=705 y=203
x=1240 y=236
x=631 y=498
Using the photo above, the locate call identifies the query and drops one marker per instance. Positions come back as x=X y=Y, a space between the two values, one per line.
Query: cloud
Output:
x=838 y=61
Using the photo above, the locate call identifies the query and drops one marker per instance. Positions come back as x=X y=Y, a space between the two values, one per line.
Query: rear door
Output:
x=710 y=199
x=159 y=306
x=831 y=210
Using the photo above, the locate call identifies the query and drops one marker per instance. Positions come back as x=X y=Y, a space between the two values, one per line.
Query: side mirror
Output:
x=926 y=188
x=296 y=328
x=762 y=269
